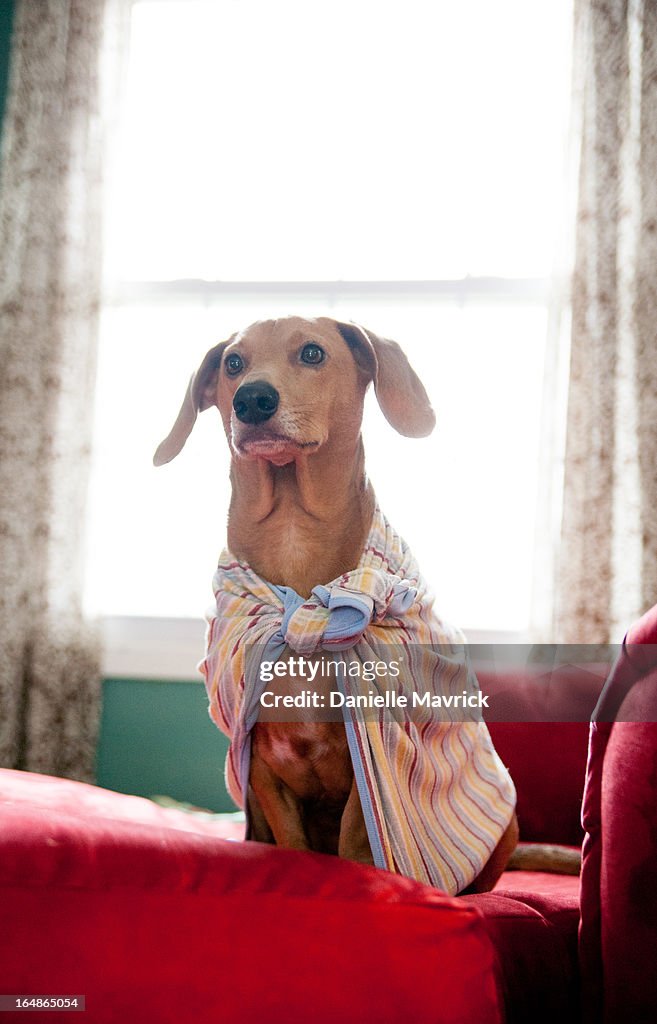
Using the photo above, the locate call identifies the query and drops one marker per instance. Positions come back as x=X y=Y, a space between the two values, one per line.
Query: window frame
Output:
x=170 y=648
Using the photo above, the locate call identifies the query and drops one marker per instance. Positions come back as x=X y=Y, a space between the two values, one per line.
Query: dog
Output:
x=290 y=393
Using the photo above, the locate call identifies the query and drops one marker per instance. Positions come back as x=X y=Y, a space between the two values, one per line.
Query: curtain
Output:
x=54 y=133
x=608 y=557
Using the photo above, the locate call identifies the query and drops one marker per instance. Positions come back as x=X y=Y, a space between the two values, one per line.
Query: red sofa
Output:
x=618 y=929
x=152 y=917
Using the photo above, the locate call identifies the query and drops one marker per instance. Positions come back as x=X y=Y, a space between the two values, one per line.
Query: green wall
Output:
x=6 y=21
x=156 y=738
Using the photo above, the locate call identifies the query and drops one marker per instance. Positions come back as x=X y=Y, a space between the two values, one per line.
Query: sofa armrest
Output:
x=618 y=929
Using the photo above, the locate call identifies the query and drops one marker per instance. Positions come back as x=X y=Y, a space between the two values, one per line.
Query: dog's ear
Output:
x=399 y=390
x=200 y=395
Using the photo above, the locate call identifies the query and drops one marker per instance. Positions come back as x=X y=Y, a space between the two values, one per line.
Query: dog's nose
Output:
x=255 y=403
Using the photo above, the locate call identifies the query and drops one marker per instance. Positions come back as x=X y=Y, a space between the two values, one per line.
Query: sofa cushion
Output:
x=68 y=797
x=102 y=898
x=532 y=918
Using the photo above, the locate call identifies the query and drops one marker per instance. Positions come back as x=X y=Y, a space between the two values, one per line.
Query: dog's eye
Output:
x=312 y=353
x=234 y=364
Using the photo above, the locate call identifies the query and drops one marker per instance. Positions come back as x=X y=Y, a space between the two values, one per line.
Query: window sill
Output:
x=169 y=649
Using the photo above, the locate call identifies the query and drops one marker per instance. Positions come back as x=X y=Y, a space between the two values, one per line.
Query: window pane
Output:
x=464 y=498
x=346 y=140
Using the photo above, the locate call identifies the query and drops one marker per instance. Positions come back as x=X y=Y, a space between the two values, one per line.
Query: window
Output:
x=401 y=165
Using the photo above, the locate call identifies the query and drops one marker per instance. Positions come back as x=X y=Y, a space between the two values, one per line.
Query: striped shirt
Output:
x=436 y=798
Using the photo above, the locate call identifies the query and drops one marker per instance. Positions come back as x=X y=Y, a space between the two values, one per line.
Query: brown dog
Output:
x=290 y=393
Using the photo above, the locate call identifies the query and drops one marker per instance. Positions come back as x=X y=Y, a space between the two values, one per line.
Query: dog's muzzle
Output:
x=255 y=403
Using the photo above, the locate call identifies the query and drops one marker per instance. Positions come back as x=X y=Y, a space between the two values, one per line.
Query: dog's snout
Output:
x=255 y=403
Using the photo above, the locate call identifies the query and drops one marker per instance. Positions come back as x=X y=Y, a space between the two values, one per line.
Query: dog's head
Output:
x=287 y=387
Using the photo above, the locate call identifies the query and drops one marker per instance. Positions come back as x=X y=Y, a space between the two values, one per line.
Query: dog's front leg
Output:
x=276 y=808
x=259 y=830
x=353 y=843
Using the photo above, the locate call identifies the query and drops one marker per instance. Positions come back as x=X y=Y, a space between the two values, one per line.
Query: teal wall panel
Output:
x=6 y=22
x=156 y=738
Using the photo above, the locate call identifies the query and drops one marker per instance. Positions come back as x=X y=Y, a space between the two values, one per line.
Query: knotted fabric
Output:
x=436 y=798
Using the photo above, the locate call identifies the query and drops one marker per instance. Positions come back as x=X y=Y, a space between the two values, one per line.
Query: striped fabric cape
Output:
x=435 y=795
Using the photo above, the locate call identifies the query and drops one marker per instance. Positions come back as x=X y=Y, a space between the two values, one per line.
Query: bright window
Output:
x=401 y=165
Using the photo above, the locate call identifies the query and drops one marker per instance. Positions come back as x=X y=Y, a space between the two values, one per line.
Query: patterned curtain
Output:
x=50 y=277
x=608 y=560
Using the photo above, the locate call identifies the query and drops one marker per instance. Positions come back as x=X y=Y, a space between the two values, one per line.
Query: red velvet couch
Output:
x=154 y=918
x=618 y=929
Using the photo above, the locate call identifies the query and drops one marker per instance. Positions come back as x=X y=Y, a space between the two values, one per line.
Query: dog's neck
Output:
x=305 y=523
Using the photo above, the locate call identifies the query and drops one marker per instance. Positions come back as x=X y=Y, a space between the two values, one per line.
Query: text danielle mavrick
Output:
x=372 y=699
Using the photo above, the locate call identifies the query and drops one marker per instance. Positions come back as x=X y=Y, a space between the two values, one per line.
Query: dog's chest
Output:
x=311 y=758
x=295 y=550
